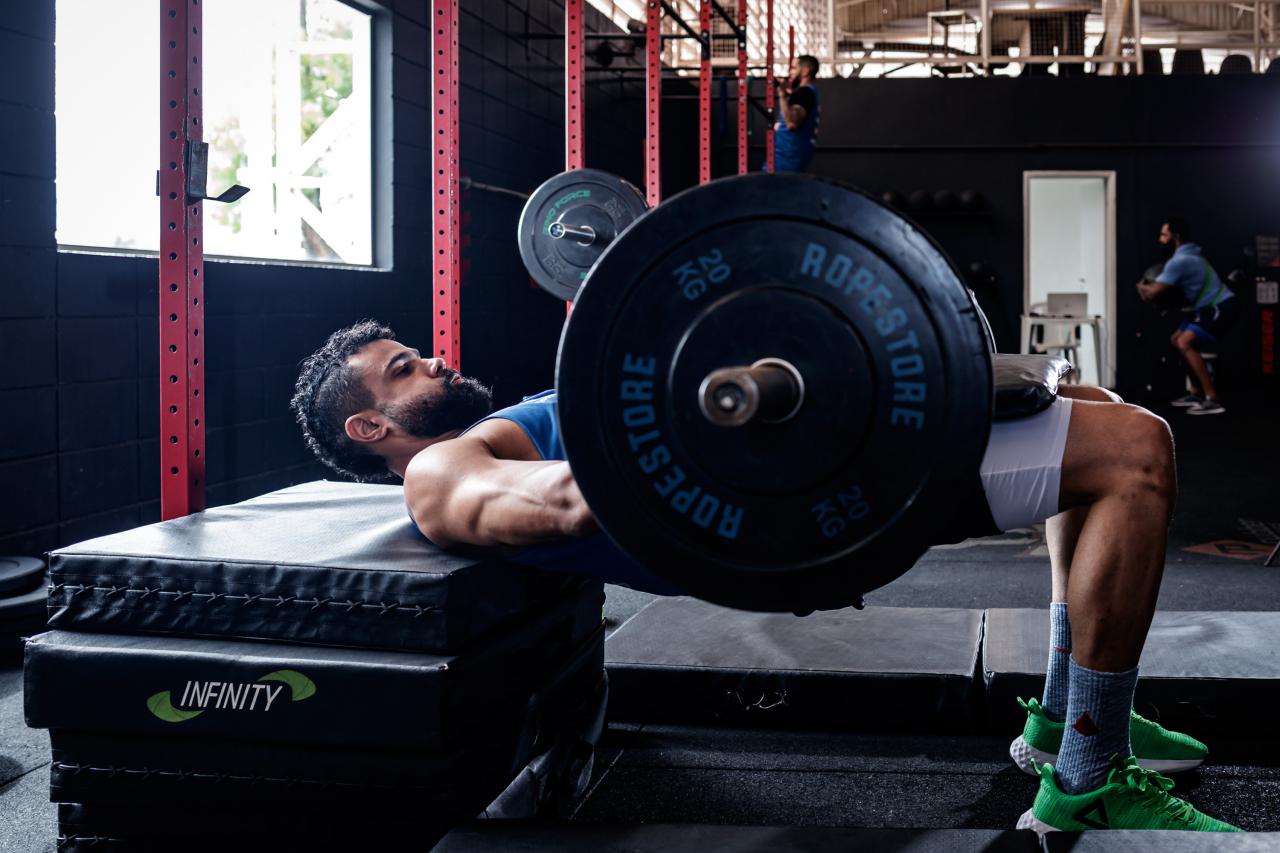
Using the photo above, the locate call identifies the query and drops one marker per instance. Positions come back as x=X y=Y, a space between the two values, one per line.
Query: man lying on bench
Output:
x=1099 y=472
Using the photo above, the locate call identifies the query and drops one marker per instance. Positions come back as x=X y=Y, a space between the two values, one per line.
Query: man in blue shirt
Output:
x=1212 y=306
x=796 y=132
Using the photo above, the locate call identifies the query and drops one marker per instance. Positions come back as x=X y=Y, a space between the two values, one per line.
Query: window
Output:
x=287 y=113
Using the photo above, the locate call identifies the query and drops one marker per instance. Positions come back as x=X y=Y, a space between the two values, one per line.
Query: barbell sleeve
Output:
x=584 y=234
x=769 y=391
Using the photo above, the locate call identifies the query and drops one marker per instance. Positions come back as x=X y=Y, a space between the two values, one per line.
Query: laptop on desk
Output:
x=1066 y=305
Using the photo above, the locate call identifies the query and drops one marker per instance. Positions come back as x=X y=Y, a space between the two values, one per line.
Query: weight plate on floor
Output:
x=579 y=200
x=21 y=607
x=19 y=574
x=842 y=497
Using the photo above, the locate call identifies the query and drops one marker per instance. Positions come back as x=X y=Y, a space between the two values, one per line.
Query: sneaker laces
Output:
x=1150 y=787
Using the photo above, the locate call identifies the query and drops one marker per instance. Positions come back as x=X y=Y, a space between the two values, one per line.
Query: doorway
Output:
x=1069 y=248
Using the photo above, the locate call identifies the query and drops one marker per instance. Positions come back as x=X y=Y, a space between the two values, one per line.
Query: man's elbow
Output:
x=430 y=525
x=432 y=516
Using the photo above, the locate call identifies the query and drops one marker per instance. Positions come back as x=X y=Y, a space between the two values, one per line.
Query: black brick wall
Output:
x=78 y=332
x=1205 y=147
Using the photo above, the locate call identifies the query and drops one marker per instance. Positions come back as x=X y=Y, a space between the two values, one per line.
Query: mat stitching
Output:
x=277 y=601
x=90 y=840
x=184 y=775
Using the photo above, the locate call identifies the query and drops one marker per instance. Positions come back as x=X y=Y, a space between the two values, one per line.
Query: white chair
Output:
x=1054 y=340
x=1059 y=321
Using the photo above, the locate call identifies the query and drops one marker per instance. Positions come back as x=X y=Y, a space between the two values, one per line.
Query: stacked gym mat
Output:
x=907 y=669
x=305 y=669
x=681 y=660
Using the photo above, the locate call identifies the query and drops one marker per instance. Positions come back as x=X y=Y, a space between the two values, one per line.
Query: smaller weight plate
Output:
x=19 y=574
x=23 y=606
x=582 y=198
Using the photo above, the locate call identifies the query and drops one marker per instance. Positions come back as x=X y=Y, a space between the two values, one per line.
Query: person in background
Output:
x=1212 y=307
x=796 y=132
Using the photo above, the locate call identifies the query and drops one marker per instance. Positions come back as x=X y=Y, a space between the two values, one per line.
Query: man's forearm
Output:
x=1149 y=290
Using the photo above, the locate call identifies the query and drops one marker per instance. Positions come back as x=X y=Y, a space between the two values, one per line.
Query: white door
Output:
x=1069 y=248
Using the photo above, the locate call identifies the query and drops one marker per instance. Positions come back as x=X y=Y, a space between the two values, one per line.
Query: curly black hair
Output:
x=328 y=392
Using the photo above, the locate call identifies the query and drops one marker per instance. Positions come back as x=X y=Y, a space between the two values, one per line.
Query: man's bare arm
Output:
x=1149 y=290
x=461 y=493
x=792 y=115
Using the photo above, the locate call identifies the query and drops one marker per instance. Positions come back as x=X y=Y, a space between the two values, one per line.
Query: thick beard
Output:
x=461 y=405
x=1167 y=250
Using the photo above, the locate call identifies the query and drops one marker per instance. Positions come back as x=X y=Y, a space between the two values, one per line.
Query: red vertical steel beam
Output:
x=653 y=102
x=182 y=444
x=575 y=155
x=574 y=111
x=744 y=85
x=769 y=83
x=791 y=48
x=445 y=215
x=704 y=93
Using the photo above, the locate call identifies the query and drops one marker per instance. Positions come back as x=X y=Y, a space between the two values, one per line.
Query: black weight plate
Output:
x=28 y=604
x=19 y=574
x=844 y=496
x=583 y=197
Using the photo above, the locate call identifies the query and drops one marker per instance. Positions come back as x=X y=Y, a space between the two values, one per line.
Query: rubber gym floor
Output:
x=1228 y=519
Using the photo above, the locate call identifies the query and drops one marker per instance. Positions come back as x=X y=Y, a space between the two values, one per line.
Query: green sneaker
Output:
x=1132 y=798
x=1156 y=747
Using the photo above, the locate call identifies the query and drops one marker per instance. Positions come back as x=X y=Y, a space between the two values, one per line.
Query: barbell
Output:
x=770 y=386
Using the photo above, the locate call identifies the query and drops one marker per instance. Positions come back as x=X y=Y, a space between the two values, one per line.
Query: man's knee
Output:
x=1089 y=392
x=1149 y=456
x=1184 y=342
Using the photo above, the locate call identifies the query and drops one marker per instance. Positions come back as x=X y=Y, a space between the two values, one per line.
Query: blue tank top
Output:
x=595 y=556
x=793 y=149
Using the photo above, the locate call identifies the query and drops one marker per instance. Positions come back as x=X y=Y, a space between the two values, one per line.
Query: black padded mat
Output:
x=111 y=769
x=1161 y=841
x=271 y=827
x=322 y=562
x=683 y=660
x=247 y=822
x=1208 y=671
x=236 y=689
x=515 y=837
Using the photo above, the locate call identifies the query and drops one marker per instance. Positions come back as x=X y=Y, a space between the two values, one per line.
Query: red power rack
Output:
x=182 y=444
x=653 y=102
x=744 y=87
x=574 y=124
x=769 y=101
x=704 y=93
x=445 y=217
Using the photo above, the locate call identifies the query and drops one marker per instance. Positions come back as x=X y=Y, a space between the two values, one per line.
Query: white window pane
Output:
x=286 y=113
x=106 y=95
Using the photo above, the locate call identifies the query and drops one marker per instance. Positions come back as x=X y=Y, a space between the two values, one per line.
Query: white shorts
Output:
x=1022 y=469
